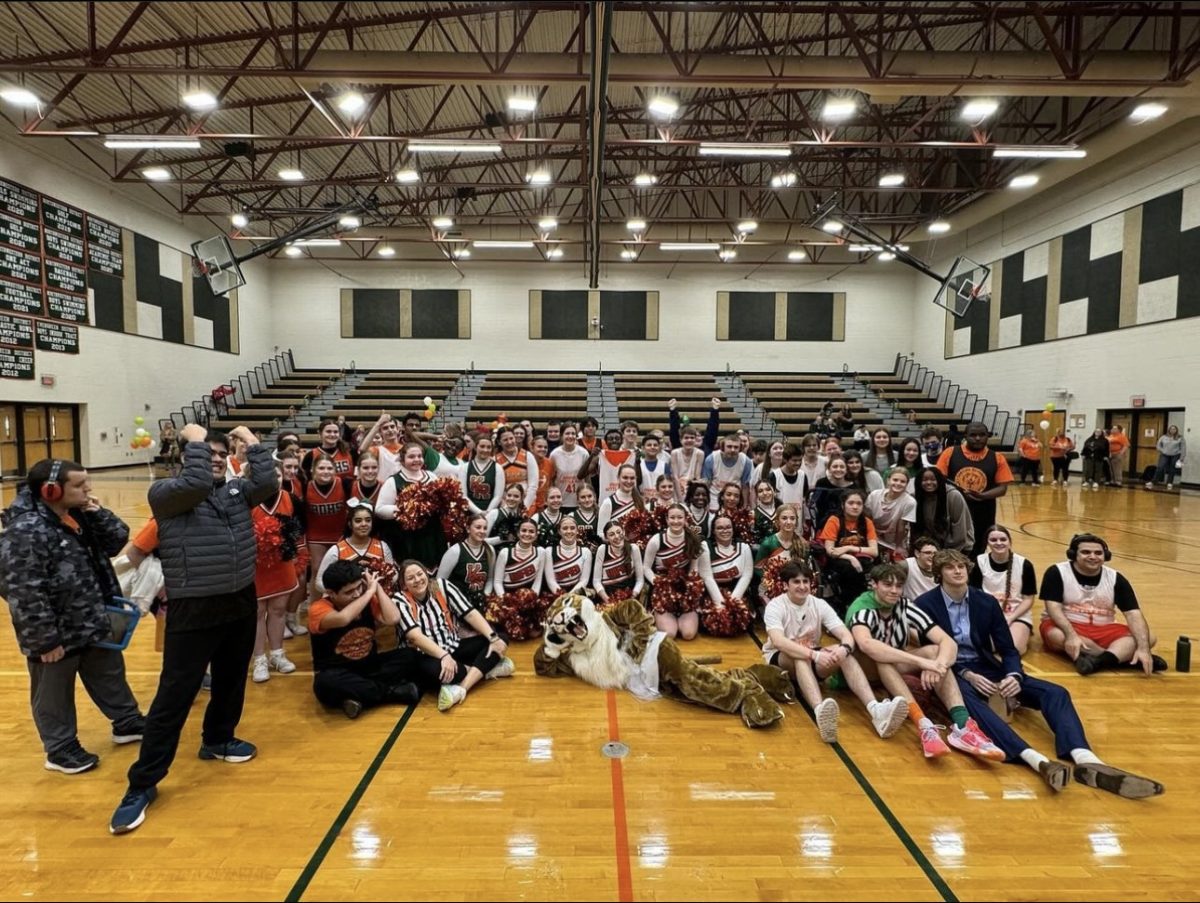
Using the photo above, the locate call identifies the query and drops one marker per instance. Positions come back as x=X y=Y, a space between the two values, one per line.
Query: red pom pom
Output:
x=743 y=524
x=639 y=526
x=518 y=613
x=418 y=503
x=385 y=570
x=730 y=619
x=772 y=586
x=268 y=536
x=677 y=592
x=615 y=596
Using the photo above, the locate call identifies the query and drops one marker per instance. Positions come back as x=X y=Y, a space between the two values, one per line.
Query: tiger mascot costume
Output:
x=622 y=649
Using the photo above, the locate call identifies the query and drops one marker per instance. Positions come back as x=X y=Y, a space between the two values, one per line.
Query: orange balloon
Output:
x=429 y=415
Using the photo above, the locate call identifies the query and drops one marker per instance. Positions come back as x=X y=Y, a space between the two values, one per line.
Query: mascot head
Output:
x=569 y=620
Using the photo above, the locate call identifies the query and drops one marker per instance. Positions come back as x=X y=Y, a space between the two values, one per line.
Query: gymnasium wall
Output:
x=877 y=307
x=117 y=374
x=1126 y=357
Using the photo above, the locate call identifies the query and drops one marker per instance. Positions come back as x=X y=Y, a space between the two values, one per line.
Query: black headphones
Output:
x=50 y=490
x=1080 y=538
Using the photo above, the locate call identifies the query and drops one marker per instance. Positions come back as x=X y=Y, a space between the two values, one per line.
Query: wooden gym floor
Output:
x=508 y=796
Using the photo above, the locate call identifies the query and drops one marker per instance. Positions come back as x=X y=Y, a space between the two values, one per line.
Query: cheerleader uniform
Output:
x=615 y=574
x=764 y=523
x=667 y=559
x=514 y=573
x=567 y=572
x=325 y=512
x=732 y=569
x=483 y=486
x=275 y=569
x=547 y=527
x=469 y=571
x=502 y=526
x=375 y=554
x=426 y=544
x=588 y=534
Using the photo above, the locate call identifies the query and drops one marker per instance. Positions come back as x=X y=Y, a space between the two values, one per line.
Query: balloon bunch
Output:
x=430 y=407
x=141 y=437
x=1045 y=422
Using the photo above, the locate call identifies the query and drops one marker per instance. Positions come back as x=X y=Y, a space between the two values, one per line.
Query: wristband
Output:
x=493 y=638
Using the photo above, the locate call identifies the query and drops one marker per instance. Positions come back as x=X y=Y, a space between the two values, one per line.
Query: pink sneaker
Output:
x=932 y=743
x=973 y=741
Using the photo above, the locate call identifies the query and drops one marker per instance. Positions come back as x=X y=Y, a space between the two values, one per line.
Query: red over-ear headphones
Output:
x=51 y=490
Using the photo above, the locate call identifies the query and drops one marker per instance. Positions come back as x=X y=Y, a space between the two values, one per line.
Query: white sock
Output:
x=924 y=724
x=1084 y=756
x=276 y=652
x=1032 y=758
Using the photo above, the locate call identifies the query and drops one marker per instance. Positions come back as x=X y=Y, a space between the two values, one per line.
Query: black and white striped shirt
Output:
x=893 y=629
x=430 y=618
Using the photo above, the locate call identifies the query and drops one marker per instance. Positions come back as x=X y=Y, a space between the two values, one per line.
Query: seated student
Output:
x=670 y=557
x=795 y=622
x=883 y=622
x=567 y=564
x=919 y=578
x=1082 y=596
x=617 y=573
x=351 y=670
x=850 y=544
x=988 y=665
x=548 y=518
x=430 y=614
x=893 y=511
x=1011 y=579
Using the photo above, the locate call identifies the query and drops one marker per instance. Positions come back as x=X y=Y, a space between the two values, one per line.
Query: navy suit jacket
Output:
x=989 y=631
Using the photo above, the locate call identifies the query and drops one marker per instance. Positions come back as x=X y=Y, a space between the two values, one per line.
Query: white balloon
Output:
x=139 y=432
x=1045 y=424
x=427 y=401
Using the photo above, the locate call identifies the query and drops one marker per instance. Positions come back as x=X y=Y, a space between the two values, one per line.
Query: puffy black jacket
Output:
x=56 y=580
x=205 y=533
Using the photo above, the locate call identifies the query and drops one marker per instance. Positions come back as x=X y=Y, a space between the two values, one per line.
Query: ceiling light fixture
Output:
x=938 y=227
x=148 y=142
x=663 y=106
x=351 y=103
x=240 y=220
x=726 y=149
x=501 y=243
x=522 y=103
x=547 y=224
x=291 y=175
x=538 y=177
x=832 y=226
x=727 y=254
x=629 y=254
x=454 y=148
x=1038 y=153
x=21 y=97
x=292 y=251
x=1028 y=180
x=891 y=180
x=689 y=246
x=839 y=109
x=157 y=173
x=1144 y=112
x=979 y=109
x=350 y=222
x=407 y=176
x=386 y=251
x=318 y=242
x=554 y=253
x=797 y=255
x=442 y=223
x=783 y=180
x=746 y=226
x=461 y=253
x=199 y=100
x=886 y=256
x=644 y=179
x=636 y=225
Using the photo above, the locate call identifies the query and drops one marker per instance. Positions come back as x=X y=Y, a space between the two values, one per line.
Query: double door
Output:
x=31 y=432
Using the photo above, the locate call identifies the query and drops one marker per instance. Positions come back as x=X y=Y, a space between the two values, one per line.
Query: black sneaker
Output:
x=129 y=731
x=72 y=759
x=405 y=694
x=353 y=708
x=1160 y=663
x=1087 y=663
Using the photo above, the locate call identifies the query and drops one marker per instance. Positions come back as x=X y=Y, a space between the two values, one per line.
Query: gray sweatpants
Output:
x=52 y=693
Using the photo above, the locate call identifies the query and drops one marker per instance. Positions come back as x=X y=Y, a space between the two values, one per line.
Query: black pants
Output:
x=983 y=515
x=227 y=649
x=333 y=686
x=1062 y=468
x=472 y=652
x=1030 y=468
x=852 y=582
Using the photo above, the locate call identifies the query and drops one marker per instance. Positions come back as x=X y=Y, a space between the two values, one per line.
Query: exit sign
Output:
x=1137 y=401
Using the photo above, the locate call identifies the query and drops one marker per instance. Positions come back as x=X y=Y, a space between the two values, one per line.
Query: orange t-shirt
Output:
x=146 y=540
x=1030 y=449
x=833 y=529
x=1117 y=443
x=1003 y=471
x=1059 y=446
x=322 y=607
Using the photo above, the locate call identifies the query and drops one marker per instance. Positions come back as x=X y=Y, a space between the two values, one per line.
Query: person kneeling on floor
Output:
x=345 y=626
x=988 y=666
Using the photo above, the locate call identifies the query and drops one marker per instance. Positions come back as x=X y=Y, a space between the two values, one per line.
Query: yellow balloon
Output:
x=1049 y=406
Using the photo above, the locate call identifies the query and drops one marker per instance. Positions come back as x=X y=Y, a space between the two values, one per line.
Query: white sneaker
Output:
x=292 y=622
x=262 y=672
x=1054 y=482
x=287 y=631
x=504 y=668
x=889 y=715
x=449 y=696
x=280 y=662
x=827 y=720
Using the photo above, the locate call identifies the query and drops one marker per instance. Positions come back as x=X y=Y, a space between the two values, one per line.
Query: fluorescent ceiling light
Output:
x=520 y=103
x=689 y=246
x=636 y=225
x=629 y=254
x=645 y=178
x=663 y=106
x=1025 y=181
x=291 y=175
x=891 y=180
x=442 y=223
x=407 y=176
x=292 y=251
x=886 y=256
x=317 y=242
x=351 y=103
x=386 y=251
x=865 y=249
x=1039 y=153
x=240 y=220
x=199 y=100
x=832 y=226
x=349 y=222
x=839 y=108
x=538 y=177
x=1144 y=112
x=744 y=150
x=21 y=97
x=454 y=148
x=727 y=254
x=938 y=227
x=157 y=173
x=979 y=109
x=461 y=253
x=501 y=243
x=797 y=255
x=146 y=142
x=746 y=226
x=783 y=180
x=554 y=253
x=547 y=224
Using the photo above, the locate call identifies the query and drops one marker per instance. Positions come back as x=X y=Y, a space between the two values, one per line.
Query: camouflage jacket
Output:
x=56 y=580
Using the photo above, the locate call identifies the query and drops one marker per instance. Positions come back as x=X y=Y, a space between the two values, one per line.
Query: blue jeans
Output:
x=1166 y=465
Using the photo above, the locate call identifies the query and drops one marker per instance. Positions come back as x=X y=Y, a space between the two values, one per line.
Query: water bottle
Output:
x=1183 y=654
